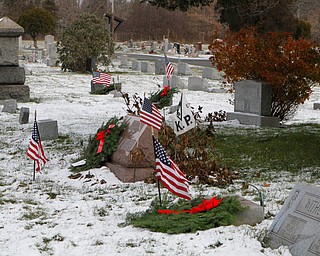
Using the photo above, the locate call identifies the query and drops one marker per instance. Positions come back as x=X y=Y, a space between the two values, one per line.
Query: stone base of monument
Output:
x=97 y=87
x=252 y=119
x=12 y=75
x=253 y=215
x=20 y=93
x=130 y=174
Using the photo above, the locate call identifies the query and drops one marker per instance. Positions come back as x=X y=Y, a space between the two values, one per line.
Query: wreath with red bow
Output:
x=163 y=98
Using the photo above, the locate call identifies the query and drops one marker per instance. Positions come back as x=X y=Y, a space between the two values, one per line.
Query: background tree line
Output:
x=181 y=20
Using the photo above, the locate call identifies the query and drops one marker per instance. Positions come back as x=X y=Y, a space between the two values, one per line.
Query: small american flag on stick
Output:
x=169 y=67
x=150 y=115
x=35 y=149
x=101 y=78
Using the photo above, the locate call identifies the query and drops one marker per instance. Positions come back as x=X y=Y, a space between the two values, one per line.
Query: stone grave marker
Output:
x=252 y=104
x=135 y=65
x=159 y=67
x=124 y=61
x=165 y=45
x=184 y=69
x=196 y=83
x=145 y=67
x=24 y=115
x=316 y=106
x=48 y=129
x=52 y=55
x=137 y=136
x=48 y=39
x=10 y=106
x=210 y=73
x=297 y=225
x=12 y=77
x=175 y=81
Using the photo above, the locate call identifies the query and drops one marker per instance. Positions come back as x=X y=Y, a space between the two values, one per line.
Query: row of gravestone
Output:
x=48 y=128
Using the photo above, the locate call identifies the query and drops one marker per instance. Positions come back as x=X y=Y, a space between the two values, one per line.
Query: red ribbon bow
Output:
x=165 y=91
x=101 y=135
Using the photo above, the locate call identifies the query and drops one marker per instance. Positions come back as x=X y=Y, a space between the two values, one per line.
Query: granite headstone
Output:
x=297 y=225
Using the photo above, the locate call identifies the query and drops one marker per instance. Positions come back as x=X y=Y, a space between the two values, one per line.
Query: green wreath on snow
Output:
x=163 y=98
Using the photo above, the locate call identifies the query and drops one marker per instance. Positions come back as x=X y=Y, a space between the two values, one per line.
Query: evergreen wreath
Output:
x=111 y=138
x=223 y=215
x=163 y=98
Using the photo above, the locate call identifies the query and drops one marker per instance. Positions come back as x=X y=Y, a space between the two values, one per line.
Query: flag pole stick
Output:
x=158 y=181
x=34 y=162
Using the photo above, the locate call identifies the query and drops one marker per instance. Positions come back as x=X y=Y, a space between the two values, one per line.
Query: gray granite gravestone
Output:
x=135 y=65
x=316 y=106
x=252 y=104
x=145 y=67
x=48 y=129
x=136 y=137
x=12 y=77
x=175 y=81
x=124 y=61
x=184 y=69
x=196 y=83
x=159 y=67
x=297 y=225
x=10 y=106
x=210 y=73
x=24 y=115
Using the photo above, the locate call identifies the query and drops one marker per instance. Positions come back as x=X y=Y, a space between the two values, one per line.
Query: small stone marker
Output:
x=297 y=225
x=24 y=115
x=184 y=69
x=137 y=136
x=136 y=65
x=10 y=106
x=316 y=106
x=145 y=67
x=210 y=73
x=196 y=83
x=159 y=67
x=124 y=61
x=48 y=129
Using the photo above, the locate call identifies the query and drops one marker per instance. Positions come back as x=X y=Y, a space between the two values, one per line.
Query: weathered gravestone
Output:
x=184 y=69
x=124 y=61
x=159 y=67
x=316 y=106
x=196 y=83
x=135 y=65
x=210 y=73
x=175 y=81
x=48 y=129
x=10 y=106
x=252 y=104
x=146 y=67
x=297 y=225
x=126 y=163
x=24 y=115
x=12 y=77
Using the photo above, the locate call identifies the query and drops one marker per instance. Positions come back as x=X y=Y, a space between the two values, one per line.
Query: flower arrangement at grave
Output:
x=163 y=98
x=102 y=145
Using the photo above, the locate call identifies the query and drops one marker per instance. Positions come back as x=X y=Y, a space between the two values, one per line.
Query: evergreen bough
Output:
x=223 y=215
x=94 y=160
x=163 y=101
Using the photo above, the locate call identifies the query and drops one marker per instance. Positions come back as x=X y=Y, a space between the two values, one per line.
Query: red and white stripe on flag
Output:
x=102 y=78
x=35 y=149
x=169 y=173
x=150 y=115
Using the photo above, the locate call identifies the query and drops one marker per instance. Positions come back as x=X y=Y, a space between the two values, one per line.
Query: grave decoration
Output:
x=223 y=213
x=101 y=146
x=163 y=98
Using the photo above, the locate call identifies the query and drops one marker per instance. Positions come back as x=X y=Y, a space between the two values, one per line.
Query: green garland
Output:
x=94 y=160
x=105 y=90
x=163 y=101
x=223 y=215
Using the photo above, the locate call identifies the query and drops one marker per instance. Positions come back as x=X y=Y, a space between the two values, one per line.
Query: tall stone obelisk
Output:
x=12 y=77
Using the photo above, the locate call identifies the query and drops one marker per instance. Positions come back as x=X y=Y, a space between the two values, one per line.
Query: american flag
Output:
x=101 y=78
x=169 y=173
x=169 y=67
x=150 y=115
x=35 y=150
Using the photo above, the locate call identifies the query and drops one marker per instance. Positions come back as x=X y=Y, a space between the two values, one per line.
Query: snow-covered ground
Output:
x=56 y=215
